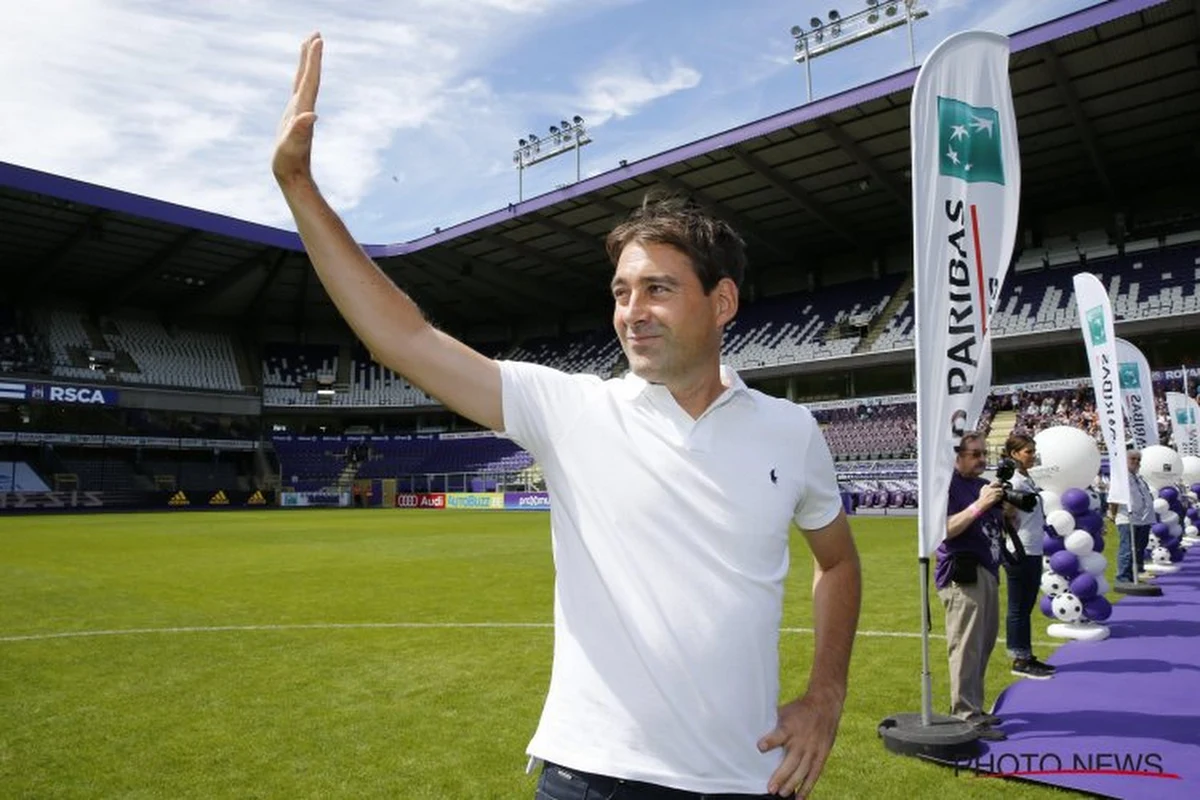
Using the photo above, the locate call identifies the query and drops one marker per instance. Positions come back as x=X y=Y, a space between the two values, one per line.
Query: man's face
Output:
x=1134 y=462
x=667 y=326
x=971 y=459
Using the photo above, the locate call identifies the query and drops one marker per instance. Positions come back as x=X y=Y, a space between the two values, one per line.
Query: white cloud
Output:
x=620 y=91
x=181 y=103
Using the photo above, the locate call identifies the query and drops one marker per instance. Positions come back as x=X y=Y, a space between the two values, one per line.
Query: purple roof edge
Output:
x=112 y=199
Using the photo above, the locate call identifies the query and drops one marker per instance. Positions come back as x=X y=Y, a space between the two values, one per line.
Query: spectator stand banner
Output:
x=52 y=501
x=527 y=501
x=314 y=499
x=429 y=500
x=219 y=499
x=477 y=501
x=481 y=501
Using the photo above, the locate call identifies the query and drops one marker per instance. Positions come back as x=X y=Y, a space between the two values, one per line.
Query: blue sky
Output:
x=422 y=101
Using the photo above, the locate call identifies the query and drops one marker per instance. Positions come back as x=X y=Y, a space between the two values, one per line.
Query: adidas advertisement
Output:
x=1096 y=320
x=966 y=186
x=185 y=499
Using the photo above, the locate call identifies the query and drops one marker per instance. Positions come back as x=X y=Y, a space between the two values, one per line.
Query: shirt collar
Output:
x=635 y=387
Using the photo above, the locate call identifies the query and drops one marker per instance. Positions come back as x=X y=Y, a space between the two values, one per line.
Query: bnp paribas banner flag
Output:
x=1185 y=426
x=1096 y=320
x=966 y=180
x=1137 y=394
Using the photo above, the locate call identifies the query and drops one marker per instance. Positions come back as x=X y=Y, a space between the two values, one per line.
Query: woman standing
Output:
x=1025 y=575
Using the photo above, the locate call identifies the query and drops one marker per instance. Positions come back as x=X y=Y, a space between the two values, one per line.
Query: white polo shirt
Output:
x=670 y=539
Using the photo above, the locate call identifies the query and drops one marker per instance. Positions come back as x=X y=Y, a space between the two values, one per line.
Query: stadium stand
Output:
x=21 y=350
x=139 y=351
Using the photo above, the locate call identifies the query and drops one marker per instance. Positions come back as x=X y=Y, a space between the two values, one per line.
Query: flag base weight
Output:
x=946 y=739
x=1137 y=589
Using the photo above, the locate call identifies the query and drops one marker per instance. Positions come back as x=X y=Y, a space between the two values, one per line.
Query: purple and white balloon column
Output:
x=1073 y=582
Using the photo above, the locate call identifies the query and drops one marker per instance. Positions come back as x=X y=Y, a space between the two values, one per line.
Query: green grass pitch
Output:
x=359 y=654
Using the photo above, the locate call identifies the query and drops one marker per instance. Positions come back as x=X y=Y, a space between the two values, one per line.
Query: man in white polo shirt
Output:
x=673 y=490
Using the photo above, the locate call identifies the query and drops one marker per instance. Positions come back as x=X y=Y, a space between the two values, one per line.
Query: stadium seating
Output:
x=1154 y=278
x=142 y=352
x=20 y=349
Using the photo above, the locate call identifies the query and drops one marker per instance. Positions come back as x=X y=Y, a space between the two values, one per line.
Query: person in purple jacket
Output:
x=967 y=572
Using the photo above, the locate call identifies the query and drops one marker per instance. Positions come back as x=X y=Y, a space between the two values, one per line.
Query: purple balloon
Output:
x=1084 y=586
x=1098 y=542
x=1176 y=554
x=1091 y=522
x=1169 y=493
x=1196 y=488
x=1097 y=609
x=1076 y=501
x=1047 y=605
x=1065 y=563
x=1161 y=529
x=1052 y=544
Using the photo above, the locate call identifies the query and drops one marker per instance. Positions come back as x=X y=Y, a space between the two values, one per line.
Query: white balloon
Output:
x=1191 y=469
x=1053 y=584
x=1069 y=458
x=1161 y=506
x=1051 y=501
x=1079 y=542
x=1093 y=563
x=1102 y=586
x=1152 y=541
x=1062 y=521
x=1191 y=530
x=1161 y=466
x=1046 y=564
x=1160 y=555
x=1067 y=607
x=1175 y=528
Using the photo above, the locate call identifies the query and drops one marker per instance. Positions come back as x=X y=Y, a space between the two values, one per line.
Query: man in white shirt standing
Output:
x=1133 y=520
x=673 y=490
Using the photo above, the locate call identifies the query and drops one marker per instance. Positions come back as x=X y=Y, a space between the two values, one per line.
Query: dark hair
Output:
x=715 y=249
x=969 y=436
x=1016 y=442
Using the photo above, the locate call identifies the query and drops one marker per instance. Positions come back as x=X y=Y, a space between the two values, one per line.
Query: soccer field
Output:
x=351 y=653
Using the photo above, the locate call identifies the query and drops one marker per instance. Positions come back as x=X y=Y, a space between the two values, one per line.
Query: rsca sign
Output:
x=73 y=395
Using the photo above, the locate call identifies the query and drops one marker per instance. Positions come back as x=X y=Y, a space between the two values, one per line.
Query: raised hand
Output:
x=293 y=145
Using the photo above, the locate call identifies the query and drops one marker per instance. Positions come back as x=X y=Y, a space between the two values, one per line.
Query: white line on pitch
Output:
x=34 y=637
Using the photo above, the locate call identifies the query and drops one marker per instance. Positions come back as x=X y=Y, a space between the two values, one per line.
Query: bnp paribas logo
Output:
x=1185 y=416
x=1095 y=323
x=1129 y=375
x=969 y=142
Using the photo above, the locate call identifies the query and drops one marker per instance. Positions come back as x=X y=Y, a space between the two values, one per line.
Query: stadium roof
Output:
x=1107 y=100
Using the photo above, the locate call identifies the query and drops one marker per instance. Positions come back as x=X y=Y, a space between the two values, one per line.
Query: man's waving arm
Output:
x=384 y=318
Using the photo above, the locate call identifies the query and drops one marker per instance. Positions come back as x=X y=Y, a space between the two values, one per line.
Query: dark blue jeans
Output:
x=1024 y=580
x=1130 y=549
x=562 y=783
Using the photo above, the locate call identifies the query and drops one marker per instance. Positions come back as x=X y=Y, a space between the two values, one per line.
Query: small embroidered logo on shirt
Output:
x=774 y=477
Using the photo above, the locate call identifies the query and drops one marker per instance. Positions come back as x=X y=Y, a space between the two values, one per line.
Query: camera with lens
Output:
x=1024 y=501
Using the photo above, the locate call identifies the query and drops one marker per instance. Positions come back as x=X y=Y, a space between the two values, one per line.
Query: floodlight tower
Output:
x=840 y=30
x=563 y=138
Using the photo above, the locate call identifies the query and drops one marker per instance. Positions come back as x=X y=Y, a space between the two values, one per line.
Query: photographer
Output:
x=1023 y=510
x=967 y=580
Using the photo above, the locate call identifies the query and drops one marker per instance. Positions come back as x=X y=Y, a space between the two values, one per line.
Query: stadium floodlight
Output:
x=846 y=29
x=563 y=137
